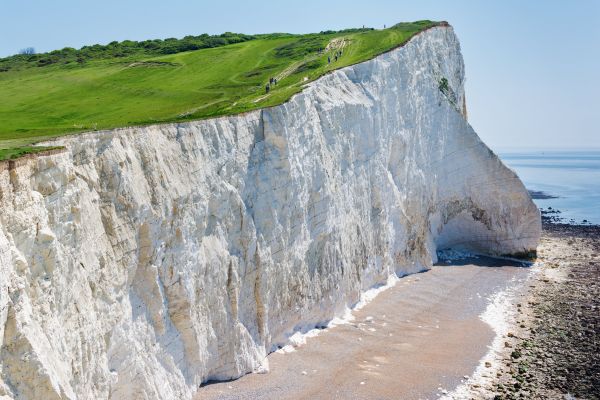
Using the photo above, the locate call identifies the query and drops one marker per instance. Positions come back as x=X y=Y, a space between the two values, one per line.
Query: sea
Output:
x=565 y=181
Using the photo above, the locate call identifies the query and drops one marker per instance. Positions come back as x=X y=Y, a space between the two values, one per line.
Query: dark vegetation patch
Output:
x=260 y=70
x=124 y=49
x=412 y=26
x=351 y=30
x=300 y=48
x=309 y=66
x=443 y=85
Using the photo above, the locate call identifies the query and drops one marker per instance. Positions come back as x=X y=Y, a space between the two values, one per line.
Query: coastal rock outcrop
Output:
x=142 y=262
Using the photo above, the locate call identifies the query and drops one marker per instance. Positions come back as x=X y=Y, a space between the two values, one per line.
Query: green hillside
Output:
x=75 y=93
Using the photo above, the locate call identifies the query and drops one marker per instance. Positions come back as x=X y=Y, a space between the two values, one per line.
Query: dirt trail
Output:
x=334 y=44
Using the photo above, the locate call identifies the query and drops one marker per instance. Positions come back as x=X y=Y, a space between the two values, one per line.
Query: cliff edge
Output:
x=142 y=262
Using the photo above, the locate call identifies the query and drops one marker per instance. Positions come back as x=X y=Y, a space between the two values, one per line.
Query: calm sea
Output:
x=573 y=177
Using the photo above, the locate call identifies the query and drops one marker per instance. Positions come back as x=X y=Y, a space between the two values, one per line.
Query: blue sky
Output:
x=533 y=67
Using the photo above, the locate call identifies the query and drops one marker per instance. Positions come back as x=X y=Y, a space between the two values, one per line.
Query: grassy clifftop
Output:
x=41 y=101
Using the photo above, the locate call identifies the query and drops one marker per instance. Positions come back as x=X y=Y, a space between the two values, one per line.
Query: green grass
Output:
x=16 y=152
x=43 y=102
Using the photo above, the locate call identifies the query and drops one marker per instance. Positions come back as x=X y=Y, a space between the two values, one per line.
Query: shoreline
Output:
x=518 y=339
x=548 y=343
x=418 y=339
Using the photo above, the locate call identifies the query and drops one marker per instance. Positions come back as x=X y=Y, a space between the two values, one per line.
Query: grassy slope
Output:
x=43 y=102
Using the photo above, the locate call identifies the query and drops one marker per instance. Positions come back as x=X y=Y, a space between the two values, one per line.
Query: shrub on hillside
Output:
x=123 y=49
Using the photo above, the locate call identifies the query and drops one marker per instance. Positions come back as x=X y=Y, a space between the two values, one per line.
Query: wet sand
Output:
x=413 y=341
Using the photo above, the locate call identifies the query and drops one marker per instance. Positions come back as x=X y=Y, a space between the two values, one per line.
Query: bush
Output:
x=27 y=57
x=300 y=47
x=443 y=86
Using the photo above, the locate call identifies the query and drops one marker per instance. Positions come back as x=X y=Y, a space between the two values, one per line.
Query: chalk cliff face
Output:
x=141 y=262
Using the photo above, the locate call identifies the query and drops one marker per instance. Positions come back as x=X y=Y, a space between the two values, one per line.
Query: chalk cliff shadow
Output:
x=484 y=261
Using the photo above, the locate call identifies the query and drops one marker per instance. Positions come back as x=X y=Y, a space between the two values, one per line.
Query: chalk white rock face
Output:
x=141 y=262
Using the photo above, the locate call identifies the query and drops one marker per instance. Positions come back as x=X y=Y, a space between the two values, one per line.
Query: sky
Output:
x=533 y=67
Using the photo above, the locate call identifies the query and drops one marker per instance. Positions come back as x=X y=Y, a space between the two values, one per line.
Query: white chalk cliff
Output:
x=141 y=262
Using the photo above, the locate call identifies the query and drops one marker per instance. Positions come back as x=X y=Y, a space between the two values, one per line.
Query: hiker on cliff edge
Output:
x=267 y=88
